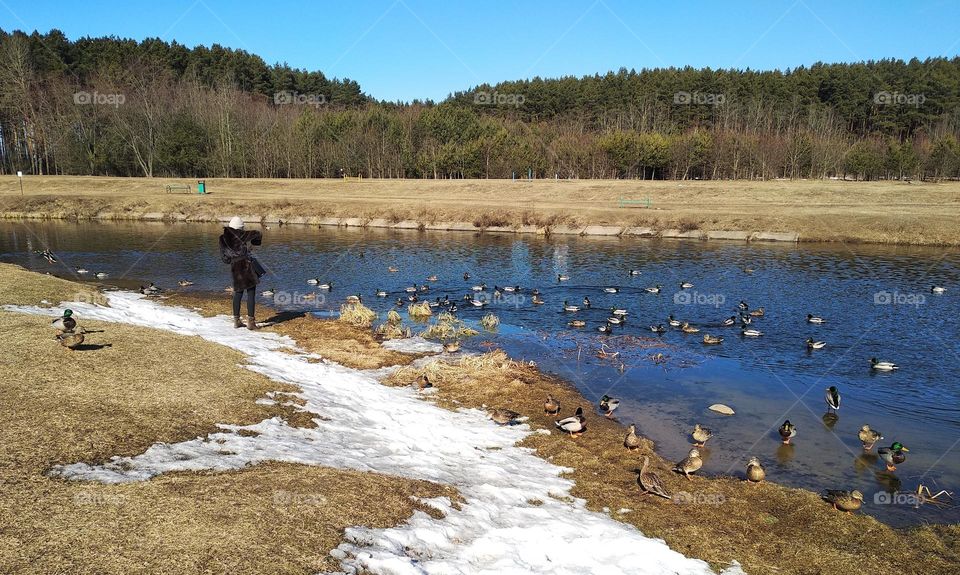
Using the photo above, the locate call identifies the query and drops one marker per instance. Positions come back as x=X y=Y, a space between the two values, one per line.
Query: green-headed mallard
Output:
x=65 y=323
x=700 y=435
x=787 y=431
x=605 y=328
x=674 y=322
x=815 y=319
x=504 y=416
x=732 y=320
x=570 y=308
x=562 y=277
x=611 y=290
x=631 y=440
x=634 y=272
x=685 y=285
x=574 y=425
x=939 y=290
x=586 y=302
x=609 y=405
x=83 y=271
x=811 y=344
x=653 y=289
x=658 y=328
x=712 y=339
x=743 y=306
x=882 y=365
x=689 y=464
x=751 y=333
x=381 y=293
x=70 y=340
x=551 y=406
x=649 y=481
x=843 y=500
x=619 y=311
x=893 y=455
x=869 y=437
x=755 y=472
x=615 y=320
x=832 y=396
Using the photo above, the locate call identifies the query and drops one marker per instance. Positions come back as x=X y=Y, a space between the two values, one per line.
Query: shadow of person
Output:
x=281 y=317
x=92 y=346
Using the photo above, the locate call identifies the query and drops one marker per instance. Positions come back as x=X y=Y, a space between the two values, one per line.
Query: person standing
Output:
x=235 y=251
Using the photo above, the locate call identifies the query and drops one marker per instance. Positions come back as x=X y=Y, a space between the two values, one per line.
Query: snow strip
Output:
x=518 y=515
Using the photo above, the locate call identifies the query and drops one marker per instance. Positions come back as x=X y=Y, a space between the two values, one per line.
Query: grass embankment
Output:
x=878 y=212
x=769 y=528
x=133 y=387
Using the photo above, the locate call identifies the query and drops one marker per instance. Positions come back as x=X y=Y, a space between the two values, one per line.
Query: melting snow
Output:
x=370 y=427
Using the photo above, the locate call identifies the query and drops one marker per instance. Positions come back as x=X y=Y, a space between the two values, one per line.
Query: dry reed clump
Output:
x=357 y=315
x=490 y=322
x=389 y=330
x=447 y=327
x=393 y=317
x=419 y=310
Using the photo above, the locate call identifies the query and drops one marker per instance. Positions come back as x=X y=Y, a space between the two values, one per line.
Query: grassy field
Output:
x=129 y=388
x=880 y=212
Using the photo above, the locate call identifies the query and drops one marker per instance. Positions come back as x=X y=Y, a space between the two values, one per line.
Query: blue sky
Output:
x=405 y=49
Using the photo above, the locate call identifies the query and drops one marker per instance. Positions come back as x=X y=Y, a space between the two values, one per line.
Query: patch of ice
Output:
x=412 y=345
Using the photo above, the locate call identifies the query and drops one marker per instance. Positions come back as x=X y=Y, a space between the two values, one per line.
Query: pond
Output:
x=876 y=301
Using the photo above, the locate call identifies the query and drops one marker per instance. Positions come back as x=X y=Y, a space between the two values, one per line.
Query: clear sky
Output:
x=406 y=49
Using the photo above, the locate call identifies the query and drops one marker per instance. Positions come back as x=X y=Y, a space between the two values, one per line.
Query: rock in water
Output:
x=721 y=408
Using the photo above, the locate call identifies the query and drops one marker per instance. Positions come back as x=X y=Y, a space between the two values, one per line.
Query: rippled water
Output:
x=877 y=302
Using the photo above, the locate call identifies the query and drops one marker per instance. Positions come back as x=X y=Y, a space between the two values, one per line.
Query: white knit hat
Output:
x=236 y=223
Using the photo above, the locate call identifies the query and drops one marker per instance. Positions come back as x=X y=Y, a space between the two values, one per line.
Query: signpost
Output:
x=20 y=176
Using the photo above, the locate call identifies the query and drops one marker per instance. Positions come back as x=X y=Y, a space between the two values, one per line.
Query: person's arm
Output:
x=253 y=236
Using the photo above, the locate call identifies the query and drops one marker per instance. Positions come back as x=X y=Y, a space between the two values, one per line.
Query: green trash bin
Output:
x=201 y=187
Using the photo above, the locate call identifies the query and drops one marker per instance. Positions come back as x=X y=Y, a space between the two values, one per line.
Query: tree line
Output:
x=111 y=106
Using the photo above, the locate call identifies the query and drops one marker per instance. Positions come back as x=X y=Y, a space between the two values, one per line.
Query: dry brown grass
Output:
x=771 y=529
x=21 y=287
x=357 y=315
x=881 y=212
x=132 y=387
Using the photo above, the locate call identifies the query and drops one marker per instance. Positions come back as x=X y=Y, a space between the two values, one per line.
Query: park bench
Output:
x=178 y=188
x=626 y=202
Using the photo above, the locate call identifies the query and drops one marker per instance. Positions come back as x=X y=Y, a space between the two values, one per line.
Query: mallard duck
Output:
x=392 y=269
x=313 y=281
x=268 y=292
x=811 y=344
x=618 y=311
x=787 y=431
x=631 y=440
x=480 y=287
x=497 y=293
x=815 y=319
x=700 y=435
x=551 y=406
x=586 y=302
x=745 y=320
x=758 y=312
x=355 y=299
x=150 y=290
x=685 y=285
x=184 y=283
x=101 y=275
x=451 y=347
x=843 y=500
x=654 y=289
x=562 y=277
x=832 y=397
x=634 y=272
x=410 y=289
x=893 y=455
x=609 y=405
x=939 y=290
x=611 y=290
x=869 y=437
x=751 y=333
x=605 y=328
x=743 y=306
x=674 y=322
x=381 y=293
x=511 y=289
x=658 y=328
x=466 y=276
x=537 y=300
x=424 y=288
x=882 y=365
x=649 y=481
x=570 y=308
x=712 y=339
x=685 y=327
x=83 y=271
x=65 y=323
x=689 y=464
x=755 y=472
x=453 y=308
x=574 y=425
x=423 y=382
x=732 y=320
x=70 y=340
x=325 y=286
x=576 y=323
x=399 y=302
x=615 y=320
x=504 y=416
x=309 y=296
x=432 y=278
x=478 y=302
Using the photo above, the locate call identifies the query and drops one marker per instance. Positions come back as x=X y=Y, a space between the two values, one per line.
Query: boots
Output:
x=237 y=323
x=251 y=322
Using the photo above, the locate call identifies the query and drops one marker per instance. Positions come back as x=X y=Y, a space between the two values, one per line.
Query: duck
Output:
x=712 y=339
x=150 y=290
x=654 y=289
x=811 y=344
x=649 y=481
x=815 y=319
x=101 y=275
x=787 y=431
x=605 y=328
x=574 y=425
x=893 y=455
x=511 y=289
x=562 y=277
x=634 y=272
x=843 y=500
x=184 y=283
x=423 y=382
x=576 y=323
x=586 y=302
x=355 y=299
x=83 y=271
x=309 y=296
x=570 y=308
x=631 y=440
x=618 y=311
x=732 y=320
x=534 y=291
x=615 y=320
x=700 y=435
x=537 y=300
x=381 y=293
x=743 y=306
x=939 y=290
x=755 y=471
x=268 y=292
x=392 y=269
x=71 y=340
x=689 y=464
x=399 y=302
x=611 y=290
x=674 y=322
x=410 y=289
x=480 y=287
x=551 y=406
x=453 y=308
x=758 y=312
x=451 y=347
x=65 y=323
x=432 y=278
x=882 y=365
x=751 y=333
x=687 y=328
x=504 y=416
x=685 y=285
x=466 y=276
x=313 y=281
x=832 y=397
x=745 y=320
x=325 y=286
x=658 y=328
x=869 y=437
x=609 y=405
x=424 y=288
x=478 y=303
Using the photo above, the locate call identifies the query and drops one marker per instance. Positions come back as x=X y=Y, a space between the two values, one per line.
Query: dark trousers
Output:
x=251 y=302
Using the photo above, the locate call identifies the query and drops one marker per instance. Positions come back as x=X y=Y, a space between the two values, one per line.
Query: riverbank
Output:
x=809 y=211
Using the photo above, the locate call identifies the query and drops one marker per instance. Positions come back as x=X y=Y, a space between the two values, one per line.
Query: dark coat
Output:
x=234 y=250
